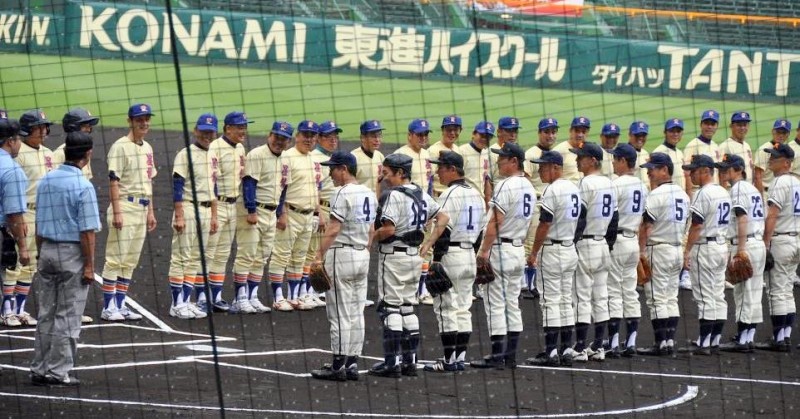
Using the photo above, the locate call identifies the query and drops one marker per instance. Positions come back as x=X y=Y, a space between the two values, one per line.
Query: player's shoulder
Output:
x=562 y=146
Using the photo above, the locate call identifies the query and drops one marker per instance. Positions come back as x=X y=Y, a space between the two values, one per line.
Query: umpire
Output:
x=66 y=222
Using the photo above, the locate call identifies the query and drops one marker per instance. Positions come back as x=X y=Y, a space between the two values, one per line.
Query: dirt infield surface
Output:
x=164 y=367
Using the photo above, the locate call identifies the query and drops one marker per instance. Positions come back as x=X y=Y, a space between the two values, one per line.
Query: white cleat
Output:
x=11 y=320
x=129 y=315
x=86 y=319
x=242 y=307
x=181 y=312
x=282 y=305
x=26 y=319
x=111 y=314
x=198 y=314
x=260 y=308
x=317 y=301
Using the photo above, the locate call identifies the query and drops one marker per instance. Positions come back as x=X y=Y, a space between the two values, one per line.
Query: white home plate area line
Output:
x=690 y=393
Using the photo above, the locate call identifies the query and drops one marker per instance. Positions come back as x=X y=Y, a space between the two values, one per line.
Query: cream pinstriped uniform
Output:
x=227 y=164
x=347 y=260
x=708 y=258
x=135 y=167
x=747 y=295
x=421 y=169
x=369 y=168
x=433 y=152
x=783 y=193
x=58 y=160
x=476 y=166
x=623 y=300
x=570 y=169
x=494 y=172
x=795 y=146
x=532 y=169
x=761 y=161
x=642 y=157
x=743 y=150
x=668 y=208
x=698 y=146
x=465 y=207
x=676 y=155
x=607 y=167
x=325 y=185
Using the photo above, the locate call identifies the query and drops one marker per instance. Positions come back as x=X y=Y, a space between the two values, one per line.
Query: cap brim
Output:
x=782 y=129
x=650 y=165
x=332 y=163
x=90 y=121
x=498 y=151
x=485 y=133
x=281 y=134
x=723 y=166
x=710 y=119
x=537 y=161
x=580 y=126
x=579 y=152
x=206 y=128
x=371 y=130
x=337 y=130
x=434 y=161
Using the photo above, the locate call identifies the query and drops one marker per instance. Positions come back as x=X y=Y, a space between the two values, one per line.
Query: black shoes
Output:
x=543 y=360
x=382 y=370
x=743 y=348
x=50 y=381
x=408 y=369
x=489 y=362
x=654 y=350
x=326 y=373
x=772 y=345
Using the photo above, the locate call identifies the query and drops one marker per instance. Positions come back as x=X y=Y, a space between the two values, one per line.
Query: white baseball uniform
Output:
x=746 y=200
x=623 y=300
x=761 y=162
x=784 y=193
x=642 y=156
x=421 y=168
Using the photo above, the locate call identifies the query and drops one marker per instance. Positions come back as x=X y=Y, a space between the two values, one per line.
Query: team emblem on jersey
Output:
x=150 y=165
x=284 y=174
x=48 y=163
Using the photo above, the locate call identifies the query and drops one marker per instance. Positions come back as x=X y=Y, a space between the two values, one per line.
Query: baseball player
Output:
x=703 y=144
x=660 y=237
x=36 y=161
x=556 y=259
x=795 y=145
x=780 y=238
x=745 y=234
x=477 y=160
x=227 y=156
x=510 y=212
x=451 y=129
x=76 y=119
x=637 y=137
x=13 y=203
x=578 y=132
x=598 y=207
x=404 y=211
x=131 y=169
x=609 y=137
x=673 y=133
x=737 y=143
x=368 y=157
x=298 y=218
x=454 y=249
x=762 y=176
x=623 y=300
x=344 y=248
x=507 y=132
x=706 y=253
x=191 y=171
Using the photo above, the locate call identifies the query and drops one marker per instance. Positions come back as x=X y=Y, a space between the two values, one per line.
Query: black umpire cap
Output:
x=76 y=117
x=33 y=118
x=398 y=161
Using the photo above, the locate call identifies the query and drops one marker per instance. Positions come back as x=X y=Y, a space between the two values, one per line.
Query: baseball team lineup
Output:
x=566 y=222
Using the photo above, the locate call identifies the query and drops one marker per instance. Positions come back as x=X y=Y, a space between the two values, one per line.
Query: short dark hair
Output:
x=77 y=145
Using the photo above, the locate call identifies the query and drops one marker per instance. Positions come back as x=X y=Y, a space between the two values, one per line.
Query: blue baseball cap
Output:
x=625 y=151
x=639 y=127
x=741 y=117
x=308 y=126
x=589 y=150
x=419 y=126
x=784 y=124
x=510 y=150
x=673 y=123
x=449 y=158
x=610 y=130
x=282 y=128
x=371 y=126
x=729 y=161
x=451 y=120
x=237 y=118
x=140 y=109
x=341 y=158
x=781 y=150
x=485 y=127
x=329 y=127
x=549 y=157
x=508 y=122
x=580 y=121
x=698 y=161
x=657 y=160
x=546 y=123
x=207 y=122
x=710 y=115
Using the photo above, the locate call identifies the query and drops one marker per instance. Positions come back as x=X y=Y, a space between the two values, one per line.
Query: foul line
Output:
x=691 y=393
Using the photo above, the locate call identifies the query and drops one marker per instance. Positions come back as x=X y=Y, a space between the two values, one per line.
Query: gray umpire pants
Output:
x=62 y=297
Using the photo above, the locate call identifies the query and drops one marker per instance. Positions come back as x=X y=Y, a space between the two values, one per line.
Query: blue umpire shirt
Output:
x=66 y=205
x=13 y=184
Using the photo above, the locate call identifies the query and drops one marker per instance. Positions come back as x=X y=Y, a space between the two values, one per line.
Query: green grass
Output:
x=108 y=87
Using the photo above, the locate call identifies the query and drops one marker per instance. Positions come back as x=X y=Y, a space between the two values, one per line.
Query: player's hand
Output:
x=179 y=224
x=116 y=221
x=281 y=223
x=214 y=225
x=151 y=222
x=686 y=261
x=252 y=219
x=323 y=222
x=24 y=257
x=533 y=261
x=88 y=276
x=484 y=254
x=426 y=247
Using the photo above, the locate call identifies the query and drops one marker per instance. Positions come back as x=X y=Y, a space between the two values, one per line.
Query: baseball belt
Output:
x=141 y=201
x=266 y=206
x=592 y=237
x=300 y=210
x=352 y=246
x=228 y=199
x=627 y=233
x=708 y=240
x=735 y=242
x=390 y=250
x=462 y=245
x=550 y=242
x=513 y=242
x=785 y=234
x=204 y=204
x=663 y=243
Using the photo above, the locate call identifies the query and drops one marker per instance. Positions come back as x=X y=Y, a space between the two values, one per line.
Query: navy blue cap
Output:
x=237 y=118
x=729 y=161
x=741 y=117
x=673 y=123
x=782 y=123
x=610 y=130
x=589 y=150
x=657 y=160
x=419 y=126
x=485 y=127
x=32 y=118
x=625 y=151
x=449 y=158
x=398 y=161
x=371 y=126
x=549 y=157
x=510 y=150
x=329 y=127
x=140 y=109
x=341 y=158
x=710 y=115
x=639 y=127
x=698 y=161
x=207 y=122
x=282 y=128
x=508 y=122
x=546 y=123
x=308 y=126
x=74 y=118
x=451 y=120
x=781 y=150
x=581 y=121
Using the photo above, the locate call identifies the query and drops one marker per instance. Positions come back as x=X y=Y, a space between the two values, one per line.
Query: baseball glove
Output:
x=643 y=271
x=484 y=274
x=318 y=277
x=739 y=269
x=437 y=280
x=769 y=263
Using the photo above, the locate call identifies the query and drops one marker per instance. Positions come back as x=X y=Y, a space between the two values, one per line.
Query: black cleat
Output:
x=654 y=350
x=488 y=362
x=510 y=361
x=409 y=370
x=566 y=358
x=743 y=348
x=772 y=345
x=39 y=380
x=326 y=373
x=629 y=352
x=543 y=360
x=382 y=370
x=613 y=353
x=352 y=372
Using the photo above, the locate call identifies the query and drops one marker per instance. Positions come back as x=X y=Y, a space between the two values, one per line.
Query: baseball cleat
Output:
x=112 y=315
x=241 y=307
x=221 y=305
x=352 y=372
x=26 y=319
x=326 y=373
x=582 y=356
x=86 y=319
x=282 y=305
x=613 y=353
x=440 y=366
x=317 y=301
x=382 y=370
x=409 y=369
x=181 y=312
x=735 y=347
x=11 y=320
x=567 y=355
x=629 y=352
x=488 y=362
x=198 y=314
x=260 y=308
x=301 y=305
x=654 y=350
x=543 y=360
x=129 y=315
x=598 y=355
x=772 y=345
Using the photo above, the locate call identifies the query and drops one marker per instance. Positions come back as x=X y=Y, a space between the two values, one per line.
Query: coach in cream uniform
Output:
x=368 y=156
x=476 y=159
